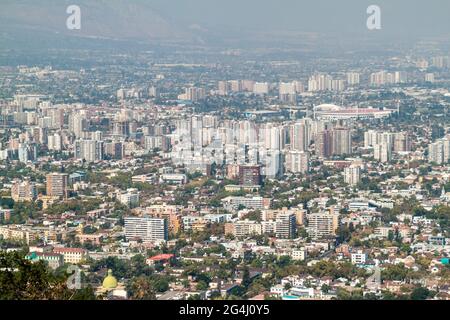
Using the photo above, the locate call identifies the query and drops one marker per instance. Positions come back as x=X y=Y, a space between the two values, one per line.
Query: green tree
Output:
x=420 y=293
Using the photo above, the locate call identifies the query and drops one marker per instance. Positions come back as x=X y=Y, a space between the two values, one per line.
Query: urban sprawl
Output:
x=226 y=178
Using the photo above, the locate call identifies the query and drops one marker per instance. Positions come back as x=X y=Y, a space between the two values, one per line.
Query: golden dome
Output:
x=110 y=282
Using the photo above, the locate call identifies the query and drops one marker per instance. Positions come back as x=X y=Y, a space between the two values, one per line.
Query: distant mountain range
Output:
x=31 y=24
x=107 y=19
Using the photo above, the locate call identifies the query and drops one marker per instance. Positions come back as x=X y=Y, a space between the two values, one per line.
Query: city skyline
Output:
x=227 y=151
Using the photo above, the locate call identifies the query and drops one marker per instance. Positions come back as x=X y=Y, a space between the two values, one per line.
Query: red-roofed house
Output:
x=159 y=259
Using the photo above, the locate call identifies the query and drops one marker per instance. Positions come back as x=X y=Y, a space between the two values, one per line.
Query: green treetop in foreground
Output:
x=21 y=279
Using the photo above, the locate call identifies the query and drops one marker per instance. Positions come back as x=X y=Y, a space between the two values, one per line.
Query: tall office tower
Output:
x=89 y=150
x=276 y=138
x=323 y=144
x=297 y=161
x=222 y=88
x=261 y=88
x=196 y=133
x=299 y=136
x=429 y=77
x=57 y=184
x=341 y=141
x=77 y=124
x=352 y=175
x=149 y=230
x=250 y=175
x=322 y=224
x=382 y=152
x=353 y=78
x=23 y=190
x=114 y=150
x=400 y=77
x=248 y=85
x=272 y=164
x=285 y=227
x=402 y=142
x=271 y=136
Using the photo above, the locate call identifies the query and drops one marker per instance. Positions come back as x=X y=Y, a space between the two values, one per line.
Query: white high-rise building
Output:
x=320 y=82
x=235 y=85
x=285 y=227
x=54 y=142
x=439 y=151
x=400 y=77
x=223 y=88
x=89 y=150
x=287 y=92
x=337 y=85
x=261 y=88
x=382 y=152
x=322 y=224
x=402 y=142
x=352 y=175
x=353 y=78
x=297 y=161
x=341 y=141
x=130 y=198
x=149 y=230
x=287 y=88
x=77 y=124
x=193 y=94
x=429 y=77
x=373 y=137
x=382 y=77
x=300 y=136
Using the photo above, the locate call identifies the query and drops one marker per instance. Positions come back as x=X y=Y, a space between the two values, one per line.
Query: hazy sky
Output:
x=419 y=17
x=237 y=19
